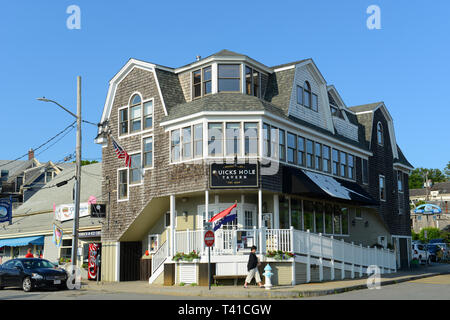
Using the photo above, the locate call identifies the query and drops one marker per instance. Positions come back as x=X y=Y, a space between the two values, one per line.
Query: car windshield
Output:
x=37 y=264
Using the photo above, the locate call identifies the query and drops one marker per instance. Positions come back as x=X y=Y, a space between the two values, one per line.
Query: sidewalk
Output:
x=238 y=292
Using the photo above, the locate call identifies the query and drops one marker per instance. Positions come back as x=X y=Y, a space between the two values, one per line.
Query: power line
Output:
x=65 y=134
x=42 y=145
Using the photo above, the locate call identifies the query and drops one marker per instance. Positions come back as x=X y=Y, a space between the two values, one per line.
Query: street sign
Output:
x=209 y=239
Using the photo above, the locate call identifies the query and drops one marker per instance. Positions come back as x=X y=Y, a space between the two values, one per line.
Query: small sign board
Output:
x=209 y=238
x=244 y=175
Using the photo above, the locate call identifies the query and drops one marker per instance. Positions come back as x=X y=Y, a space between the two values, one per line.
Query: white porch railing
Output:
x=188 y=241
x=303 y=243
x=160 y=256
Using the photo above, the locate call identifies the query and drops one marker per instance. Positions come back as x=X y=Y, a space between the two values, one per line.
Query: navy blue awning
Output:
x=316 y=185
x=20 y=242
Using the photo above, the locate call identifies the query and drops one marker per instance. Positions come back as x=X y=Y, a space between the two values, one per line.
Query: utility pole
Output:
x=78 y=178
x=78 y=169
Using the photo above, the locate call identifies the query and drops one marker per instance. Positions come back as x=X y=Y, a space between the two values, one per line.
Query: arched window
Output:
x=135 y=113
x=307 y=95
x=380 y=134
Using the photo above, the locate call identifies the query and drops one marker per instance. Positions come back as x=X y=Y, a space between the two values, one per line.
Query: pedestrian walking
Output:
x=252 y=267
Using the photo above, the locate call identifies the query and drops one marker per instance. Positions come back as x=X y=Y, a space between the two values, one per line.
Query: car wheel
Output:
x=27 y=286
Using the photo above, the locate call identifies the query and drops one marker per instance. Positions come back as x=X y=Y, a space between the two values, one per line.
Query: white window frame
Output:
x=128 y=184
x=143 y=152
x=158 y=242
x=142 y=130
x=129 y=171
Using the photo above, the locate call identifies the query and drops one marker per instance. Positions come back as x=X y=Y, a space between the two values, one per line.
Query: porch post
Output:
x=260 y=220
x=353 y=260
x=308 y=256
x=276 y=211
x=172 y=224
x=362 y=260
x=207 y=215
x=321 y=258
x=332 y=258
x=343 y=260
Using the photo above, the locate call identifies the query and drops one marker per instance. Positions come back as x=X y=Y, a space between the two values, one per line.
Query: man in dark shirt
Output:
x=252 y=268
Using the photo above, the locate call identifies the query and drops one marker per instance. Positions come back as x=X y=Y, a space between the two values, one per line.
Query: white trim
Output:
x=117 y=261
x=143 y=152
x=285 y=68
x=128 y=185
x=403 y=168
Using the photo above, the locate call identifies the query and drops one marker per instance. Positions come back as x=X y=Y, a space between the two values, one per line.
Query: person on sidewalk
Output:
x=29 y=254
x=252 y=268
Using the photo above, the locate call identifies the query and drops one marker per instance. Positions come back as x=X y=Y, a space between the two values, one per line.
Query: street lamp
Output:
x=78 y=168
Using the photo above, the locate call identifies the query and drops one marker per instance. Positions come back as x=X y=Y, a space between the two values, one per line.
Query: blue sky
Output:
x=405 y=64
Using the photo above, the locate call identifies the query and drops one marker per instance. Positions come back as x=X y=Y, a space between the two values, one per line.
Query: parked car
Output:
x=29 y=274
x=438 y=251
x=420 y=252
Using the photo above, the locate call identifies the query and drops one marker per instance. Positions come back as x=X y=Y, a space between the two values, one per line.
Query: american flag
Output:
x=121 y=153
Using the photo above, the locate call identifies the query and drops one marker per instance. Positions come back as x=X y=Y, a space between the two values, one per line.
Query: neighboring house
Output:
x=438 y=194
x=298 y=160
x=33 y=221
x=22 y=179
x=12 y=177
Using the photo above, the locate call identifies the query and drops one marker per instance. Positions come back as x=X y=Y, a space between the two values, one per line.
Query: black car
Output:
x=31 y=273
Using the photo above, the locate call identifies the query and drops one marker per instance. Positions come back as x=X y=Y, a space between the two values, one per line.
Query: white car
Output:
x=420 y=252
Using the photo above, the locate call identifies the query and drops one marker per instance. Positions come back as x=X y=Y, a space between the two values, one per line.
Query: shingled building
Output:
x=310 y=175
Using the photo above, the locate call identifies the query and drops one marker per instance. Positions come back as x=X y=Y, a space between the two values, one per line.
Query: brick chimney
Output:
x=30 y=154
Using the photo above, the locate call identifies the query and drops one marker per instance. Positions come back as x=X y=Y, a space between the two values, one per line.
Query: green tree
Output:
x=447 y=170
x=417 y=178
x=432 y=233
x=86 y=162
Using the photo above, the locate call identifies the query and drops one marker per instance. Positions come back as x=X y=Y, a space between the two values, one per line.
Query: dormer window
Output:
x=136 y=117
x=229 y=77
x=380 y=135
x=307 y=98
x=135 y=113
x=202 y=82
x=252 y=79
x=336 y=112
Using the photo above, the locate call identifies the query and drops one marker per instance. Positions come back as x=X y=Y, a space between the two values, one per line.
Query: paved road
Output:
x=16 y=294
x=434 y=288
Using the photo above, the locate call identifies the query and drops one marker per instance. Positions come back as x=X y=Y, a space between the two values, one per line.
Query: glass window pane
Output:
x=256 y=79
x=344 y=220
x=215 y=137
x=337 y=219
x=308 y=215
x=135 y=170
x=233 y=136
x=299 y=95
x=175 y=145
x=198 y=140
x=319 y=217
x=251 y=138
x=284 y=213
x=135 y=100
x=207 y=74
x=148 y=152
x=328 y=218
x=296 y=213
x=229 y=71
x=229 y=85
x=315 y=102
x=248 y=81
x=187 y=142
x=197 y=76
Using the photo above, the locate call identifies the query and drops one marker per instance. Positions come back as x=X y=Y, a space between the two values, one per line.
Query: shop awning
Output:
x=20 y=242
x=316 y=185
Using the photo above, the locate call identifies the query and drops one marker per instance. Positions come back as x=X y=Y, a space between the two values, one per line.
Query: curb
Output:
x=268 y=294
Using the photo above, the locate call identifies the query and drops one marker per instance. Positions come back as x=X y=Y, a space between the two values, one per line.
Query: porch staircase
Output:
x=158 y=261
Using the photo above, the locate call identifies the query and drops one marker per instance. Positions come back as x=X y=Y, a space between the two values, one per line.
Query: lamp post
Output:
x=78 y=169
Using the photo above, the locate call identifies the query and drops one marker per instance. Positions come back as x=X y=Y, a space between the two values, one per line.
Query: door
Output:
x=404 y=263
x=6 y=272
x=130 y=256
